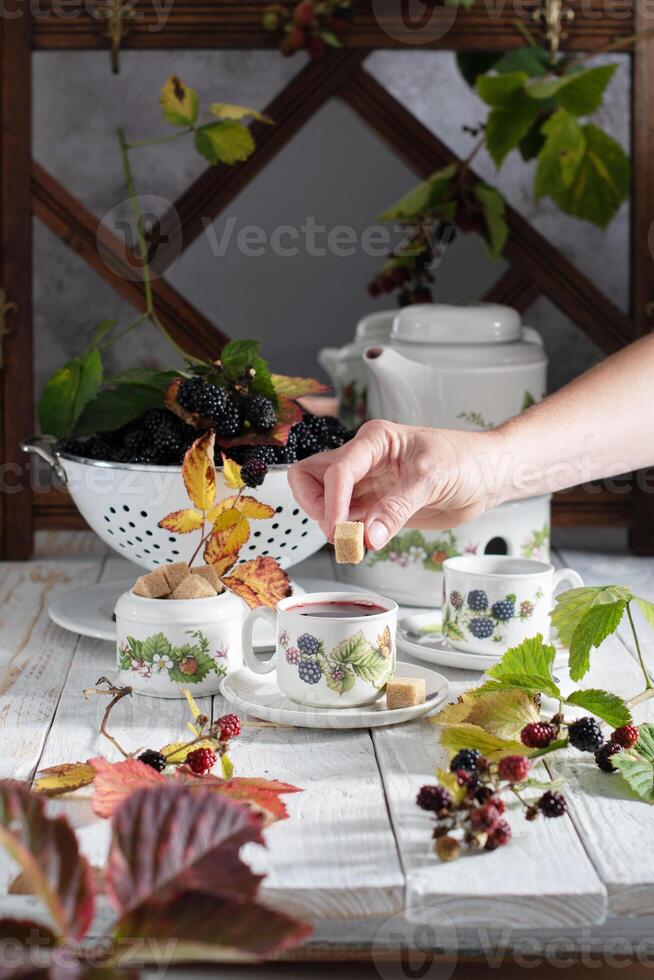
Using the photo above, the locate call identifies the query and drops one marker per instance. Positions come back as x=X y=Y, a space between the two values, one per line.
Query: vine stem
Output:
x=646 y=695
x=648 y=680
x=155 y=140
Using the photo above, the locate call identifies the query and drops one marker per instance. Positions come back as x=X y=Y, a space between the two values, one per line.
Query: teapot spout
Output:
x=398 y=386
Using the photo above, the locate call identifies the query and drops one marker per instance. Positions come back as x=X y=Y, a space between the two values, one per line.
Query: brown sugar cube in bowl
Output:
x=176 y=573
x=403 y=692
x=154 y=585
x=348 y=542
x=209 y=573
x=193 y=587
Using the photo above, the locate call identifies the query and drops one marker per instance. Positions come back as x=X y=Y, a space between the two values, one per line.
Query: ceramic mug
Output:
x=324 y=658
x=492 y=603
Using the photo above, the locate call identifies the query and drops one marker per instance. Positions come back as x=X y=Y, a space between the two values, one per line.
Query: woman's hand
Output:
x=391 y=476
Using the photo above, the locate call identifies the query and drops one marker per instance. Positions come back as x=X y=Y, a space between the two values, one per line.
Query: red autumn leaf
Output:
x=263 y=794
x=47 y=852
x=297 y=387
x=260 y=582
x=208 y=927
x=288 y=413
x=115 y=781
x=169 y=840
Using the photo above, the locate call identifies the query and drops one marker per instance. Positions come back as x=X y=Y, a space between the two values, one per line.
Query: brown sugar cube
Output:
x=193 y=587
x=348 y=541
x=152 y=586
x=209 y=573
x=176 y=573
x=402 y=692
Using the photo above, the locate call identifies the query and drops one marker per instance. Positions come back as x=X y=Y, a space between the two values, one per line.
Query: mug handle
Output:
x=567 y=575
x=249 y=656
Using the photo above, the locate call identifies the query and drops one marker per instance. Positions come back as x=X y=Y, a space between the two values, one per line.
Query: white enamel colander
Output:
x=123 y=503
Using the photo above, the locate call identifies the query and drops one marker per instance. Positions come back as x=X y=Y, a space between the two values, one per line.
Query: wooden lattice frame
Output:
x=537 y=268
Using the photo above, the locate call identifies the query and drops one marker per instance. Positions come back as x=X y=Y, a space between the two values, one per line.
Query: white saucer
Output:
x=259 y=696
x=419 y=635
x=90 y=611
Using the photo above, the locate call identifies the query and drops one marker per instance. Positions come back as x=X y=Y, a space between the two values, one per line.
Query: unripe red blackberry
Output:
x=499 y=837
x=513 y=768
x=434 y=799
x=230 y=727
x=626 y=736
x=485 y=818
x=538 y=735
x=201 y=761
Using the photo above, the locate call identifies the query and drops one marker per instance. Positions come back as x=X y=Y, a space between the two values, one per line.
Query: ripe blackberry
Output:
x=230 y=727
x=500 y=836
x=434 y=798
x=153 y=759
x=309 y=645
x=504 y=609
x=309 y=672
x=171 y=441
x=266 y=453
x=552 y=804
x=201 y=761
x=261 y=413
x=228 y=421
x=74 y=447
x=538 y=735
x=253 y=472
x=477 y=600
x=585 y=735
x=208 y=400
x=482 y=627
x=513 y=768
x=465 y=759
x=293 y=655
x=485 y=818
x=526 y=609
x=456 y=599
x=308 y=442
x=286 y=455
x=626 y=736
x=604 y=755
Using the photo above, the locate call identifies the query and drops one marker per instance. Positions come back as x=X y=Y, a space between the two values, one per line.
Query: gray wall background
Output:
x=334 y=171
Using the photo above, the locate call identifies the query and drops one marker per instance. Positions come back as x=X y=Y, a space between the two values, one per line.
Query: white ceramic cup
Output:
x=492 y=603
x=325 y=662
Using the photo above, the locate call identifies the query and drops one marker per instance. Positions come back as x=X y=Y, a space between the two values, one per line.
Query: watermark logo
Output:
x=120 y=234
x=414 y=22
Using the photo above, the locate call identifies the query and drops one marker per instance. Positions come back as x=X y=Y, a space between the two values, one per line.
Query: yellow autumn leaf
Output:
x=248 y=506
x=450 y=782
x=223 y=546
x=225 y=110
x=195 y=711
x=232 y=474
x=64 y=779
x=179 y=103
x=175 y=752
x=227 y=519
x=457 y=737
x=182 y=521
x=260 y=582
x=501 y=713
x=199 y=472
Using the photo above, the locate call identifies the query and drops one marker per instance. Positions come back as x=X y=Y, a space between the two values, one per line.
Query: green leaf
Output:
x=179 y=103
x=532 y=60
x=224 y=142
x=355 y=649
x=227 y=766
x=466 y=736
x=527 y=667
x=472 y=64
x=580 y=92
x=346 y=683
x=238 y=357
x=117 y=406
x=647 y=608
x=609 y=707
x=561 y=155
x=598 y=623
x=637 y=764
x=67 y=392
x=144 y=376
x=533 y=142
x=422 y=197
x=508 y=125
x=101 y=331
x=494 y=211
x=574 y=604
x=225 y=110
x=501 y=90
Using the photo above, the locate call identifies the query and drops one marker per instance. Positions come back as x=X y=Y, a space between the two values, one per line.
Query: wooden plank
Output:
x=543 y=880
x=378 y=24
x=514 y=289
x=291 y=109
x=591 y=505
x=16 y=280
x=79 y=229
x=526 y=248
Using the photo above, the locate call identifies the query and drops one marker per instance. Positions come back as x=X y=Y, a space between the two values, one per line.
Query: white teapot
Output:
x=347 y=370
x=461 y=367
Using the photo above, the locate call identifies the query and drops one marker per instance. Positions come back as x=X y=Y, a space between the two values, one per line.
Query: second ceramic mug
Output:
x=328 y=657
x=492 y=603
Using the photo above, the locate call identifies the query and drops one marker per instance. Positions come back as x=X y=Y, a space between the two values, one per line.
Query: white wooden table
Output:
x=355 y=856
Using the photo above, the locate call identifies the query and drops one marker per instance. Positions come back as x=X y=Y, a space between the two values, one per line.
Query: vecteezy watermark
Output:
x=154 y=12
x=421 y=945
x=119 y=235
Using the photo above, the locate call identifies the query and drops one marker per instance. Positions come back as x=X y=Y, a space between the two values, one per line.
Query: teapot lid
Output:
x=375 y=326
x=441 y=323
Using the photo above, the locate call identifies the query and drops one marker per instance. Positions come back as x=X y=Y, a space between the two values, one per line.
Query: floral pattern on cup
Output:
x=190 y=663
x=414 y=548
x=351 y=658
x=473 y=616
x=537 y=544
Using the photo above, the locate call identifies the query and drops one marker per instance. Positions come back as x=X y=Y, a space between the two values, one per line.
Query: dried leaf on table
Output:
x=64 y=778
x=115 y=781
